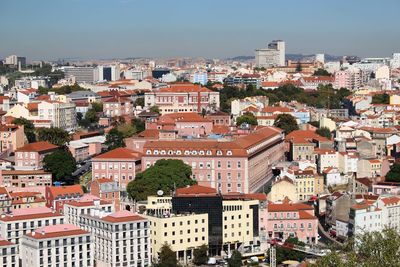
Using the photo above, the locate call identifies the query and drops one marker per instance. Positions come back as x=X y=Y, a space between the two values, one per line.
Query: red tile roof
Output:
x=54 y=231
x=119 y=153
x=305 y=215
x=184 y=88
x=4 y=243
x=278 y=207
x=122 y=216
x=305 y=136
x=195 y=190
x=40 y=147
x=173 y=118
x=65 y=190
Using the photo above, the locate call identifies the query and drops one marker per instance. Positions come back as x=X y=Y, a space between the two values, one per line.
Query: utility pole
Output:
x=272 y=256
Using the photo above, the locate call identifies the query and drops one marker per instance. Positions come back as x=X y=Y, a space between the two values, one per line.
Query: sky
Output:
x=104 y=29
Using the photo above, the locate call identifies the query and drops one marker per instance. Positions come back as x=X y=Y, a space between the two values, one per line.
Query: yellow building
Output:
x=308 y=184
x=394 y=100
x=282 y=188
x=183 y=233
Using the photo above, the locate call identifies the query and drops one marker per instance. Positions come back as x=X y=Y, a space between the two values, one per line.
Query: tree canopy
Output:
x=235 y=260
x=114 y=139
x=139 y=101
x=283 y=253
x=394 y=173
x=321 y=72
x=155 y=109
x=324 y=131
x=165 y=175
x=200 y=255
x=61 y=164
x=373 y=249
x=381 y=99
x=286 y=122
x=167 y=257
x=29 y=128
x=247 y=118
x=54 y=135
x=139 y=125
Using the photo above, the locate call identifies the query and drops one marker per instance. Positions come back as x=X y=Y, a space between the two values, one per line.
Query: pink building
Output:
x=30 y=156
x=57 y=196
x=118 y=106
x=343 y=79
x=183 y=97
x=12 y=137
x=184 y=124
x=239 y=165
x=106 y=189
x=219 y=118
x=84 y=148
x=120 y=164
x=25 y=178
x=292 y=220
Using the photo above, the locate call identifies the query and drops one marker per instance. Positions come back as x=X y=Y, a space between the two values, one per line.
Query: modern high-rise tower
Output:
x=272 y=56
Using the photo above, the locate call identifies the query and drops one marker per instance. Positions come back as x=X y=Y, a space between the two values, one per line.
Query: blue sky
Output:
x=51 y=29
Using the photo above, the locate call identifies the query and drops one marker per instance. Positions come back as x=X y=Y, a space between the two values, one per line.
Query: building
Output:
x=74 y=209
x=288 y=219
x=57 y=196
x=85 y=148
x=106 y=189
x=22 y=221
x=15 y=60
x=9 y=256
x=308 y=184
x=62 y=115
x=107 y=73
x=120 y=165
x=121 y=238
x=12 y=137
x=118 y=106
x=26 y=199
x=81 y=74
x=199 y=77
x=272 y=56
x=25 y=178
x=57 y=245
x=364 y=217
x=5 y=201
x=183 y=97
x=238 y=165
x=302 y=144
x=30 y=156
x=281 y=188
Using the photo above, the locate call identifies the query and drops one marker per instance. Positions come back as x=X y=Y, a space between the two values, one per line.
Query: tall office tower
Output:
x=107 y=73
x=272 y=56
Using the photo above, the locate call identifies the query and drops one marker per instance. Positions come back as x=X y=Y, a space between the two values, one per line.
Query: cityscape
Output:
x=153 y=148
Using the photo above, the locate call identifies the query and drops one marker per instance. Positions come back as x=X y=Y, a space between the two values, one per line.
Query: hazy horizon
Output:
x=90 y=29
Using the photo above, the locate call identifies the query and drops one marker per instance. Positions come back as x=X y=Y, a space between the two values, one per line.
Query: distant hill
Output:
x=294 y=57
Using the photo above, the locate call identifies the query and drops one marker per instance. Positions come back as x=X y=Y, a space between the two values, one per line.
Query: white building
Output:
x=120 y=238
x=21 y=221
x=365 y=217
x=390 y=211
x=272 y=56
x=107 y=73
x=395 y=62
x=57 y=245
x=62 y=115
x=320 y=58
x=348 y=162
x=8 y=254
x=199 y=77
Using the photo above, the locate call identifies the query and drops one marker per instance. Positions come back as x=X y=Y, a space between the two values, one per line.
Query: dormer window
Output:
x=155 y=152
x=187 y=152
x=170 y=152
x=162 y=152
x=148 y=152
x=229 y=153
x=219 y=153
x=194 y=152
x=201 y=153
x=178 y=152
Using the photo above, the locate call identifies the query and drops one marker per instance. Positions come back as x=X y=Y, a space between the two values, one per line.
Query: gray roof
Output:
x=82 y=94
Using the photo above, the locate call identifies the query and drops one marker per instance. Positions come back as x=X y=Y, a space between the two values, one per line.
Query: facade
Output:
x=85 y=148
x=242 y=165
x=57 y=196
x=121 y=106
x=12 y=137
x=272 y=56
x=107 y=190
x=81 y=74
x=9 y=256
x=5 y=201
x=308 y=184
x=25 y=178
x=57 y=245
x=21 y=221
x=120 y=164
x=199 y=77
x=30 y=156
x=292 y=220
x=183 y=98
x=121 y=238
x=61 y=115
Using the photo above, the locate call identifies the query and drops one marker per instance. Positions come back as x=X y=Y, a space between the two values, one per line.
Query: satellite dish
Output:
x=160 y=193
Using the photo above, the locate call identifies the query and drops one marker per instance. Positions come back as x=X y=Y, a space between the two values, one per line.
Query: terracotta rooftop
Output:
x=195 y=190
x=30 y=214
x=119 y=153
x=40 y=147
x=122 y=216
x=55 y=231
x=65 y=190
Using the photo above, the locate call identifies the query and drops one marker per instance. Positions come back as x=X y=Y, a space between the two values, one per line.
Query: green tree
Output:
x=114 y=139
x=200 y=256
x=167 y=257
x=127 y=129
x=381 y=99
x=91 y=116
x=394 y=173
x=165 y=175
x=235 y=260
x=61 y=164
x=29 y=128
x=155 y=109
x=247 y=118
x=283 y=253
x=286 y=122
x=324 y=131
x=54 y=135
x=97 y=106
x=321 y=72
x=139 y=101
x=299 y=68
x=139 y=125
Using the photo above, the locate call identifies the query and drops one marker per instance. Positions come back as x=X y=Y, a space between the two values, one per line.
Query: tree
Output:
x=138 y=124
x=381 y=99
x=324 y=131
x=139 y=102
x=54 y=135
x=299 y=68
x=371 y=249
x=283 y=253
x=247 y=118
x=155 y=109
x=394 y=174
x=321 y=72
x=167 y=257
x=91 y=116
x=126 y=129
x=61 y=164
x=165 y=175
x=235 y=260
x=286 y=122
x=29 y=128
x=200 y=255
x=114 y=139
x=97 y=106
